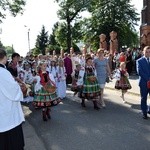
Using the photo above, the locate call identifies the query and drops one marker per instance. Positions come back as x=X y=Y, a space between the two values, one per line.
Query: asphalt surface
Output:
x=118 y=127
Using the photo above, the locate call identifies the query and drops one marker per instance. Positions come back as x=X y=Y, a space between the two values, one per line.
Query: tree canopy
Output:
x=112 y=15
x=41 y=41
x=13 y=6
x=105 y=16
x=70 y=11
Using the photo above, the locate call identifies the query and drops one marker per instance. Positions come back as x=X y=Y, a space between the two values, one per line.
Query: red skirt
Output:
x=123 y=84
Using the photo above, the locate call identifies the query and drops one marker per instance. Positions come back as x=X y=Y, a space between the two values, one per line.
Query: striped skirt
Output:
x=43 y=99
x=90 y=90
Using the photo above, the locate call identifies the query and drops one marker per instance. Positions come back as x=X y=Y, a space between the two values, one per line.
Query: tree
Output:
x=111 y=15
x=15 y=7
x=69 y=11
x=10 y=50
x=52 y=37
x=1 y=45
x=61 y=34
x=42 y=41
x=53 y=43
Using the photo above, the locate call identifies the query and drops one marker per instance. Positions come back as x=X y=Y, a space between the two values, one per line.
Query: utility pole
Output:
x=28 y=33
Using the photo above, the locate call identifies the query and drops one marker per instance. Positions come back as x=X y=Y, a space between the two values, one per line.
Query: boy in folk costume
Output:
x=90 y=88
x=122 y=82
x=46 y=96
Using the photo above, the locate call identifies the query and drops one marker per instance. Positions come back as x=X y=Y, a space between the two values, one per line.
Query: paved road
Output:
x=118 y=127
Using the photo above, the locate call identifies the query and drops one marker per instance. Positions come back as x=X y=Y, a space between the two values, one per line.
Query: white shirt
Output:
x=28 y=76
x=11 y=114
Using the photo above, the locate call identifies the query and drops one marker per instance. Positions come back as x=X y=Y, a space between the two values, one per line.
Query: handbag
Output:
x=23 y=88
x=50 y=87
x=92 y=78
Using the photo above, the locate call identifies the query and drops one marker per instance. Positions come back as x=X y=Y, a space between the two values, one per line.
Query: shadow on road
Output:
x=118 y=127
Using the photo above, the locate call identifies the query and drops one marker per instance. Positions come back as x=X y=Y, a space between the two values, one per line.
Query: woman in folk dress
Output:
x=91 y=89
x=44 y=98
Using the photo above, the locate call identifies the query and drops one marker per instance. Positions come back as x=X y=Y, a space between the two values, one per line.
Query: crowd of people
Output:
x=43 y=79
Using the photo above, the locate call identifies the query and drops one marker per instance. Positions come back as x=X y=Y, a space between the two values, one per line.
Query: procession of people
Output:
x=44 y=79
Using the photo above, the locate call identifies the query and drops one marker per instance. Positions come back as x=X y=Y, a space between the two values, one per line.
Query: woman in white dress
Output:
x=53 y=69
x=61 y=79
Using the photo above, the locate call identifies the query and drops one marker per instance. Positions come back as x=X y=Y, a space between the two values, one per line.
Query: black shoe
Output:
x=48 y=113
x=44 y=116
x=145 y=116
x=148 y=112
x=83 y=104
x=96 y=108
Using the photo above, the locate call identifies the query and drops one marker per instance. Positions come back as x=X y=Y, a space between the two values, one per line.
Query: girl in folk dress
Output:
x=61 y=79
x=46 y=96
x=91 y=89
x=122 y=82
x=75 y=77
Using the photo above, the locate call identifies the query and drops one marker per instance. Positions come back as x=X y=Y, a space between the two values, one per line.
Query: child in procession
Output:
x=122 y=82
x=61 y=79
x=45 y=97
x=75 y=77
x=90 y=88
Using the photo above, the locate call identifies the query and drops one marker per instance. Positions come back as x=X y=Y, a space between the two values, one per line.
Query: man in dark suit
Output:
x=143 y=70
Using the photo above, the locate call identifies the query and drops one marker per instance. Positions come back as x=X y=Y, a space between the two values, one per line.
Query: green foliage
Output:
x=69 y=11
x=10 y=50
x=61 y=34
x=54 y=47
x=76 y=48
x=42 y=41
x=35 y=51
x=111 y=15
x=52 y=37
x=13 y=6
x=1 y=45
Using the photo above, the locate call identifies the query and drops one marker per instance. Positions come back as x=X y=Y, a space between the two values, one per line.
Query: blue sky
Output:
x=14 y=31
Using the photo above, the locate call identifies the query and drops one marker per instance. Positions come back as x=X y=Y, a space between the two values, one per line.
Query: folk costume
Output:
x=122 y=82
x=74 y=86
x=46 y=96
x=90 y=88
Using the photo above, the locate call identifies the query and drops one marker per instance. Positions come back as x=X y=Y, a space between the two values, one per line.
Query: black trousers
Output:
x=68 y=79
x=12 y=139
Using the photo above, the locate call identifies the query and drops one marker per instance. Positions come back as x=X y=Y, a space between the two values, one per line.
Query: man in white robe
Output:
x=11 y=114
